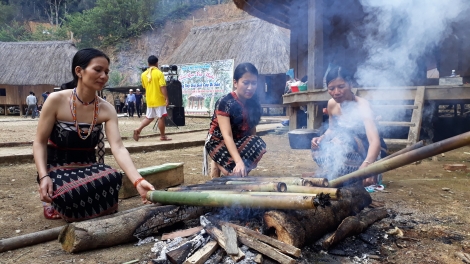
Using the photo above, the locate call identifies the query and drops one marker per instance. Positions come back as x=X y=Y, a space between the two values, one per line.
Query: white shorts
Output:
x=157 y=112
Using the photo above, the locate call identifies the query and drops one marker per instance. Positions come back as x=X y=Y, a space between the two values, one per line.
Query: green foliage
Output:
x=14 y=32
x=115 y=78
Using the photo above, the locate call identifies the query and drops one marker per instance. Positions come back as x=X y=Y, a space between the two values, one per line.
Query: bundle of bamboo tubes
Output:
x=251 y=192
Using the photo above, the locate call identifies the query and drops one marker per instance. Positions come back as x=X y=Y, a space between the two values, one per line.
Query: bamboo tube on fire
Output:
x=232 y=199
x=261 y=187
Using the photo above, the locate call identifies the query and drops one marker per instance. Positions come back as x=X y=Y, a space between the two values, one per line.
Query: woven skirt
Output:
x=251 y=149
x=83 y=190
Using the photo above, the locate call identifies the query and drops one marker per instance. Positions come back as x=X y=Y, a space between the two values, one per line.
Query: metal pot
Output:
x=302 y=138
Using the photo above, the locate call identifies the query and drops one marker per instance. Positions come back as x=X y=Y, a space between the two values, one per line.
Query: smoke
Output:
x=399 y=34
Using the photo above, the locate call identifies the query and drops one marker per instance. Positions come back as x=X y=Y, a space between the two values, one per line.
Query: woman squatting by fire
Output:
x=231 y=142
x=352 y=141
x=68 y=133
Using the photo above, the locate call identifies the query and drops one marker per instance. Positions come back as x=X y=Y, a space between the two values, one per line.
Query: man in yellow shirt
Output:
x=157 y=98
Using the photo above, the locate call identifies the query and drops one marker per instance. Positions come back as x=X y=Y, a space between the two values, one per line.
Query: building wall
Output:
x=15 y=95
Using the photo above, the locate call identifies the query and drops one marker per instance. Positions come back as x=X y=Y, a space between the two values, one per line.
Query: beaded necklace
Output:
x=73 y=97
x=80 y=100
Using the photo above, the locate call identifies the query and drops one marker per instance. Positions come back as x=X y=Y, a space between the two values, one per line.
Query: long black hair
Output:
x=336 y=72
x=253 y=105
x=82 y=58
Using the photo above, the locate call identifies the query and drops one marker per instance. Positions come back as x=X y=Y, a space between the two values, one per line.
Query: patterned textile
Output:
x=83 y=191
x=251 y=149
x=345 y=148
x=82 y=187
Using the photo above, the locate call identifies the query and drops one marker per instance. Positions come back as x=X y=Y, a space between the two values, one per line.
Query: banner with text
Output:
x=203 y=83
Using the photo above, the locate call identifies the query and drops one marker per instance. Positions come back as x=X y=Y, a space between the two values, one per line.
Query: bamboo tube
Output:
x=403 y=159
x=407 y=149
x=228 y=199
x=261 y=187
x=333 y=192
x=241 y=182
x=321 y=182
x=253 y=193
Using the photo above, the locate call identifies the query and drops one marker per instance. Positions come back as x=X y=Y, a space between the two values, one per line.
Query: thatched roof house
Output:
x=34 y=63
x=33 y=66
x=256 y=41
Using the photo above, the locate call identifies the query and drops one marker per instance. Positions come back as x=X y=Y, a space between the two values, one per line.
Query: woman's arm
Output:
x=225 y=128
x=371 y=132
x=121 y=154
x=330 y=109
x=44 y=128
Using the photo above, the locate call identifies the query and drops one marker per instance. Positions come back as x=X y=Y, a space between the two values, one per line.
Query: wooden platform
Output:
x=441 y=94
x=160 y=176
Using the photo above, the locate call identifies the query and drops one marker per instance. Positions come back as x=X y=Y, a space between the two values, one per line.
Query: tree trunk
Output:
x=301 y=227
x=124 y=227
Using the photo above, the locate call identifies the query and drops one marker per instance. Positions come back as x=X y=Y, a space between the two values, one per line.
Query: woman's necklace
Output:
x=73 y=97
x=80 y=100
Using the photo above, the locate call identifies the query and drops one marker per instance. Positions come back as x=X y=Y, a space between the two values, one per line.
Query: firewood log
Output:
x=124 y=227
x=203 y=254
x=181 y=253
x=29 y=239
x=300 y=227
x=354 y=225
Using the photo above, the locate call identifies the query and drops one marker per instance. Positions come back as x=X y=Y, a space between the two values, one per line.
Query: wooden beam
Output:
x=315 y=44
x=416 y=117
x=182 y=233
x=203 y=254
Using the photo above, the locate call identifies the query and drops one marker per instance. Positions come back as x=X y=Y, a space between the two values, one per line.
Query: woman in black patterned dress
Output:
x=232 y=143
x=70 y=178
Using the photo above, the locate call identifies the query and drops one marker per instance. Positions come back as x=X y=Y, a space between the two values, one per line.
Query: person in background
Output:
x=130 y=103
x=117 y=105
x=231 y=142
x=352 y=141
x=31 y=102
x=44 y=96
x=157 y=98
x=73 y=183
x=138 y=102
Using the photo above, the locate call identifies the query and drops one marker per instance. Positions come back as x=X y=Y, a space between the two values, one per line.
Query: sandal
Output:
x=165 y=138
x=50 y=213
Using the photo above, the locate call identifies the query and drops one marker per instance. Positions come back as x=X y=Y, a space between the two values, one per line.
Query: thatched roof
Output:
x=256 y=41
x=273 y=11
x=34 y=63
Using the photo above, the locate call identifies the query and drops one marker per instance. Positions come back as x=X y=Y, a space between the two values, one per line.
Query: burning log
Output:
x=265 y=249
x=354 y=225
x=320 y=182
x=123 y=227
x=223 y=199
x=299 y=227
x=403 y=159
x=181 y=253
x=230 y=240
x=182 y=233
x=218 y=236
x=203 y=254
x=262 y=187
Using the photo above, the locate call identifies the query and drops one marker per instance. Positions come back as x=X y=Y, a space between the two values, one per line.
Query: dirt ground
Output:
x=430 y=204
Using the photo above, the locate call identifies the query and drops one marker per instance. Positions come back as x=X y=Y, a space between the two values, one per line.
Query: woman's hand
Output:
x=316 y=142
x=143 y=187
x=46 y=190
x=364 y=164
x=239 y=170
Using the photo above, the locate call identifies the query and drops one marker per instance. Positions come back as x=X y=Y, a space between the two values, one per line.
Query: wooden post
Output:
x=292 y=117
x=315 y=45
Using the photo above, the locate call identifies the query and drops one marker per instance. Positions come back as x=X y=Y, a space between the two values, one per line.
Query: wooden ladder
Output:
x=414 y=124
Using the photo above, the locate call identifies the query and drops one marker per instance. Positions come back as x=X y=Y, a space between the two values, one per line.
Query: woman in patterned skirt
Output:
x=71 y=127
x=232 y=142
x=352 y=140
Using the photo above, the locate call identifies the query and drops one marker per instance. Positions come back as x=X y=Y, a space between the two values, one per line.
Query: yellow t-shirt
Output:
x=153 y=94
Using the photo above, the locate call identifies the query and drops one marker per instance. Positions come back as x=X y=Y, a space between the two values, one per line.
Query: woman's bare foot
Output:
x=369 y=181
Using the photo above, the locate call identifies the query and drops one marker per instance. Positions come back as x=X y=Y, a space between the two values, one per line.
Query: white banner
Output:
x=203 y=83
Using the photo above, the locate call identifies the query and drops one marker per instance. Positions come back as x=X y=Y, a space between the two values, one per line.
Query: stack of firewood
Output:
x=204 y=240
